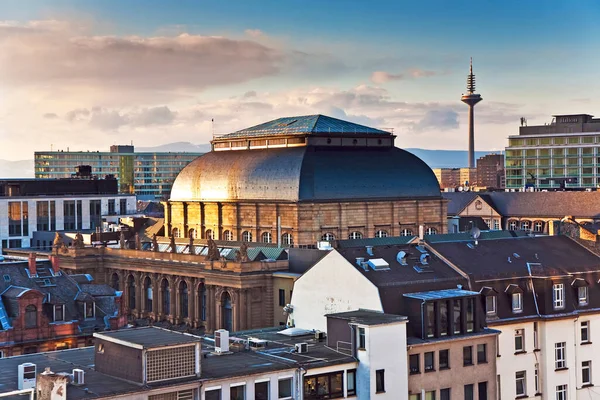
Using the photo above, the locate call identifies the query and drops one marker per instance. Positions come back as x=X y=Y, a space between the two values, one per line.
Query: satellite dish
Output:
x=475 y=232
x=460 y=188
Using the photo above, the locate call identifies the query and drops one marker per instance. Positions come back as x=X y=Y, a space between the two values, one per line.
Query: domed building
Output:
x=298 y=180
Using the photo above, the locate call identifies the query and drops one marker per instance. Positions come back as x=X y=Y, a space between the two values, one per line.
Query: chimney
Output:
x=421 y=232
x=52 y=386
x=55 y=264
x=32 y=265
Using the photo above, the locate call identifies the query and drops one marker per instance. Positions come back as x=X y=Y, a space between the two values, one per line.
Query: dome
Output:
x=306 y=174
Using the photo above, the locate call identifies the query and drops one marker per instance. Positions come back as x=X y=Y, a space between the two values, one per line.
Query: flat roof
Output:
x=441 y=294
x=147 y=337
x=368 y=317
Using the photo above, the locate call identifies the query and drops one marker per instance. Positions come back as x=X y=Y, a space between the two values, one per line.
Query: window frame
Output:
x=354 y=235
x=520 y=333
x=484 y=360
x=380 y=381
x=350 y=376
x=361 y=342
x=561 y=392
x=411 y=358
x=467 y=361
x=62 y=311
x=585 y=326
x=558 y=296
x=560 y=355
x=521 y=380
x=30 y=316
x=290 y=380
x=583 y=300
x=445 y=365
x=494 y=309
x=431 y=366
x=517 y=302
x=281 y=297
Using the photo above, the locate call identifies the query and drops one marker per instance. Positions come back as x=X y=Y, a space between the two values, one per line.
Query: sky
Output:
x=86 y=74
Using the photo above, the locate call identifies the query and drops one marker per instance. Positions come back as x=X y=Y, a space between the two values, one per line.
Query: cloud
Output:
x=254 y=33
x=414 y=73
x=438 y=119
x=421 y=73
x=112 y=119
x=249 y=94
x=50 y=116
x=77 y=114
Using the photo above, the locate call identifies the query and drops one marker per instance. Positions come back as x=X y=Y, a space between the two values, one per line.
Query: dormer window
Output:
x=59 y=313
x=89 y=310
x=490 y=305
x=558 y=296
x=30 y=316
x=517 y=302
x=582 y=295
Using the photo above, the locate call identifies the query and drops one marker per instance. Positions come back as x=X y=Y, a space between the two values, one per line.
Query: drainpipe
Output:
x=278 y=231
x=575 y=347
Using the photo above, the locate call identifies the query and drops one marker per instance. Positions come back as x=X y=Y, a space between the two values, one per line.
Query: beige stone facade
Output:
x=305 y=222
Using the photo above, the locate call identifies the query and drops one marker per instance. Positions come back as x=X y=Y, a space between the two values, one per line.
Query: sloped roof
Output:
x=466 y=236
x=305 y=124
x=382 y=241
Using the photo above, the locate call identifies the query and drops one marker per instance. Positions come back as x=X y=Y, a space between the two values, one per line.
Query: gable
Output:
x=478 y=207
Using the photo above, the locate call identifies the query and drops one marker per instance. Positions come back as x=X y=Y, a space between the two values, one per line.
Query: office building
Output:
x=562 y=154
x=49 y=205
x=454 y=178
x=149 y=175
x=490 y=171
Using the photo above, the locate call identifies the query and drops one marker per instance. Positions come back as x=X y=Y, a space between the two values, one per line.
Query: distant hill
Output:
x=433 y=158
x=446 y=158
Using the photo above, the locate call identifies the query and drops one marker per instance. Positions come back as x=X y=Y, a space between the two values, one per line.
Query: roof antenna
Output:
x=212 y=121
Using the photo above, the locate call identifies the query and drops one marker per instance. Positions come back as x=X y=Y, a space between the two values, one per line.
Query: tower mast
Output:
x=470 y=99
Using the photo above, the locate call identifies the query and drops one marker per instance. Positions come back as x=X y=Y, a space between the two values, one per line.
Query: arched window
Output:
x=226 y=312
x=30 y=316
x=512 y=225
x=266 y=237
x=148 y=294
x=183 y=300
x=538 y=226
x=287 y=239
x=175 y=232
x=381 y=234
x=247 y=236
x=430 y=231
x=406 y=232
x=165 y=293
x=328 y=237
x=114 y=281
x=193 y=233
x=355 y=235
x=227 y=235
x=209 y=234
x=131 y=291
x=525 y=226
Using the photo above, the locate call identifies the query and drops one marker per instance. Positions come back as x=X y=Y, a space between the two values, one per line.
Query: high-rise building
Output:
x=149 y=175
x=562 y=154
x=471 y=98
x=490 y=171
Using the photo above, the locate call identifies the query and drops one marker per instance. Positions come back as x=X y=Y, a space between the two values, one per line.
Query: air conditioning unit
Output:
x=78 y=376
x=27 y=376
x=221 y=341
x=301 y=348
x=257 y=344
x=319 y=335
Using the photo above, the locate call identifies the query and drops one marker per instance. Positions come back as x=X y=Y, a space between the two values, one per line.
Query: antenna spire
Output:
x=471 y=79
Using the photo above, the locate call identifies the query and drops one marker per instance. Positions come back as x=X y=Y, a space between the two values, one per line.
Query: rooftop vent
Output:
x=301 y=348
x=424 y=259
x=370 y=250
x=257 y=344
x=509 y=260
x=359 y=261
x=470 y=245
x=78 y=376
x=516 y=255
x=401 y=257
x=421 y=270
x=379 y=264
x=27 y=375
x=221 y=341
x=421 y=249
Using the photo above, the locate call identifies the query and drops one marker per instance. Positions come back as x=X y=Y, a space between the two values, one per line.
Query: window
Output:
x=90 y=311
x=326 y=386
x=490 y=305
x=328 y=237
x=212 y=394
x=517 y=302
x=582 y=293
x=558 y=295
x=536 y=378
x=175 y=233
x=430 y=395
x=237 y=392
x=430 y=310
x=520 y=380
x=111 y=207
x=445 y=394
x=512 y=225
x=14 y=218
x=559 y=355
x=123 y=206
x=287 y=239
x=59 y=313
x=414 y=362
x=406 y=232
x=468 y=392
x=430 y=231
x=355 y=235
x=69 y=214
x=429 y=363
x=561 y=392
x=361 y=339
x=415 y=396
x=281 y=297
x=585 y=331
x=468 y=355
x=482 y=390
x=525 y=225
x=227 y=235
x=444 y=359
x=380 y=381
x=261 y=390
x=470 y=314
x=95 y=213
x=457 y=306
x=209 y=234
x=481 y=353
x=381 y=234
x=536 y=345
x=30 y=316
x=538 y=226
x=519 y=340
x=351 y=382
x=444 y=323
x=496 y=224
x=586 y=372
x=246 y=236
x=266 y=237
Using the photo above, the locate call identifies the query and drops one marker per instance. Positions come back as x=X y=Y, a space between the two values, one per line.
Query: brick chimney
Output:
x=32 y=265
x=55 y=264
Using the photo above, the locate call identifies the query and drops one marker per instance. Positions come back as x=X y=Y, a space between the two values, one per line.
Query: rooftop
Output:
x=368 y=317
x=148 y=337
x=302 y=125
x=441 y=294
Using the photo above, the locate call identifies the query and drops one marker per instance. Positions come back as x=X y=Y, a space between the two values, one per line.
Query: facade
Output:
x=42 y=309
x=30 y=205
x=490 y=171
x=147 y=175
x=562 y=154
x=531 y=212
x=298 y=180
x=453 y=178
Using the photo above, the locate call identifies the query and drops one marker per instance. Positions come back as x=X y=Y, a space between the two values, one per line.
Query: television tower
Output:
x=471 y=99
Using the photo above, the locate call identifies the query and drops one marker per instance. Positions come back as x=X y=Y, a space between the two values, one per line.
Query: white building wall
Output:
x=385 y=349
x=331 y=285
x=60 y=215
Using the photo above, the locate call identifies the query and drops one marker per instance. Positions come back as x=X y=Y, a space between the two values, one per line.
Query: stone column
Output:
x=218 y=308
x=139 y=289
x=155 y=298
x=243 y=309
x=192 y=296
x=249 y=308
x=210 y=308
x=174 y=300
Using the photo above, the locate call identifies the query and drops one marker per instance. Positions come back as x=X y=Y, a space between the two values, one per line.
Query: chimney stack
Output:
x=32 y=264
x=55 y=264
